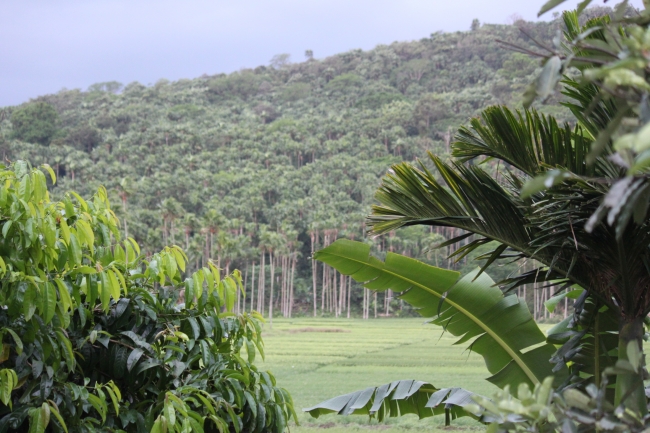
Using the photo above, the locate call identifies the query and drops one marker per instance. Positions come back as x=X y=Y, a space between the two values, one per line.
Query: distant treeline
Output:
x=256 y=169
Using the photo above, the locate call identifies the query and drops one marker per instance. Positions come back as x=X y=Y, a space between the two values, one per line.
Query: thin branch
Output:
x=539 y=44
x=519 y=48
x=575 y=241
x=536 y=54
x=587 y=60
x=595 y=48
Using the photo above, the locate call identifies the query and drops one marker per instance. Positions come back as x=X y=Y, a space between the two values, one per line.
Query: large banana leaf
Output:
x=498 y=327
x=399 y=398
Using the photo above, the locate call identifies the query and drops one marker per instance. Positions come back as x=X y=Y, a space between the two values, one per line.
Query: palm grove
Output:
x=568 y=198
x=572 y=196
x=256 y=170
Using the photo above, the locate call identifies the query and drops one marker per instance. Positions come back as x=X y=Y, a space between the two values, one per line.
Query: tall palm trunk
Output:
x=349 y=289
x=314 y=269
x=253 y=288
x=271 y=263
x=293 y=274
x=260 y=288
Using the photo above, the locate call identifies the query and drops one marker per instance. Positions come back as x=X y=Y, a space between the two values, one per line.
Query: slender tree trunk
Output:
x=525 y=298
x=253 y=288
x=293 y=274
x=261 y=284
x=375 y=302
x=271 y=263
x=349 y=292
x=365 y=302
x=341 y=294
x=322 y=290
x=206 y=254
x=283 y=299
x=334 y=295
x=314 y=268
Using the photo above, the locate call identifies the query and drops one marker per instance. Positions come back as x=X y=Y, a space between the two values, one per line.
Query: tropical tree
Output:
x=35 y=122
x=562 y=195
x=98 y=337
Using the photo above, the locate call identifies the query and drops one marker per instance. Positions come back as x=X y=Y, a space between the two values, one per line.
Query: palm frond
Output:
x=471 y=200
x=529 y=141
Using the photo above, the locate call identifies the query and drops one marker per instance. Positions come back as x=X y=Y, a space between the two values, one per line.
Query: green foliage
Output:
x=94 y=338
x=516 y=64
x=344 y=82
x=35 y=122
x=184 y=111
x=398 y=398
x=374 y=101
x=108 y=86
x=429 y=110
x=295 y=91
x=544 y=410
x=84 y=137
x=501 y=328
x=574 y=198
x=212 y=144
x=241 y=84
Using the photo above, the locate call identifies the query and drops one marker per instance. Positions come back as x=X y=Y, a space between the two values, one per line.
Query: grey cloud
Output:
x=47 y=45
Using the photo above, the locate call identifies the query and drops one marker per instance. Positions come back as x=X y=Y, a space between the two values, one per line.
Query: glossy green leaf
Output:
x=48 y=302
x=17 y=341
x=501 y=329
x=65 y=230
x=64 y=295
x=99 y=405
x=551 y=4
x=54 y=410
x=133 y=358
x=66 y=348
x=74 y=251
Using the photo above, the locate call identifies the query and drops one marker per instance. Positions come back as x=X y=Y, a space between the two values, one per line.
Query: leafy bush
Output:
x=35 y=122
x=95 y=339
x=295 y=92
x=84 y=137
x=571 y=410
x=344 y=82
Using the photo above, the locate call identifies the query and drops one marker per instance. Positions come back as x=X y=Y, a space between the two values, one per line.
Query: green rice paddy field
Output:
x=316 y=359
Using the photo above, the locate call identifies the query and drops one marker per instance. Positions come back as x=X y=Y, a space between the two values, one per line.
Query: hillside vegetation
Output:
x=258 y=168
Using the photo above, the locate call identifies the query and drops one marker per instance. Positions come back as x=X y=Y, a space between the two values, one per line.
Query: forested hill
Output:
x=271 y=158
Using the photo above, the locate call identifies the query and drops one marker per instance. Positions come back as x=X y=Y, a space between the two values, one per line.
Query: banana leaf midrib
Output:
x=515 y=355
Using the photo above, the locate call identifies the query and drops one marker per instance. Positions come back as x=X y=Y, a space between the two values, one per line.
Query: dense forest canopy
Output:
x=257 y=168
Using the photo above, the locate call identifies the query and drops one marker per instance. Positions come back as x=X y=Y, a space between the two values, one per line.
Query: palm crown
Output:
x=549 y=226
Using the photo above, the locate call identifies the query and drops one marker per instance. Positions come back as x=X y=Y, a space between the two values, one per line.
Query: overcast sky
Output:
x=46 y=45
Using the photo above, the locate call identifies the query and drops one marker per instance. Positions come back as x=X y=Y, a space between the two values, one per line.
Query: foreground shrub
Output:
x=93 y=336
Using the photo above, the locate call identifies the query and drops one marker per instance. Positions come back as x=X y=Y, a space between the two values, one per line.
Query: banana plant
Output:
x=498 y=327
x=401 y=397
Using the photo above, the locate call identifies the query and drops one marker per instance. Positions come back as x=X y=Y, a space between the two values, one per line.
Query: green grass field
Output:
x=316 y=359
